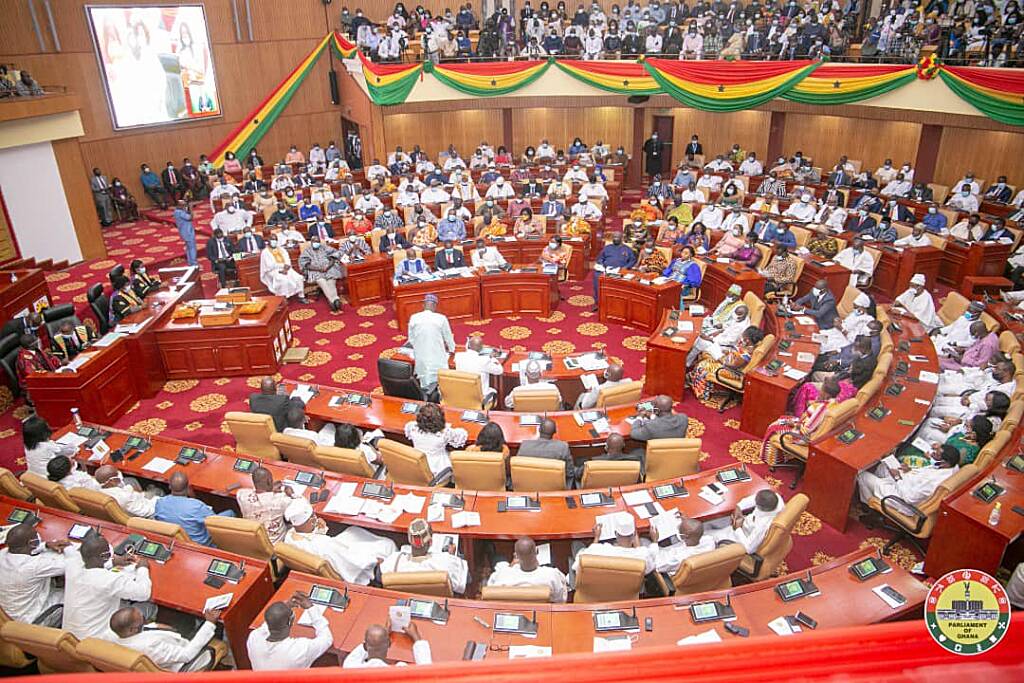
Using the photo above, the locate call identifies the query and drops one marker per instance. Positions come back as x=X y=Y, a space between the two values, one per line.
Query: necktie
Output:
x=171 y=176
x=220 y=249
x=102 y=183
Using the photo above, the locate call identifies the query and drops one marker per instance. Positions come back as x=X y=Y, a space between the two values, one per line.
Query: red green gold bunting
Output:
x=625 y=78
x=727 y=86
x=488 y=79
x=845 y=83
x=342 y=47
x=997 y=93
x=389 y=83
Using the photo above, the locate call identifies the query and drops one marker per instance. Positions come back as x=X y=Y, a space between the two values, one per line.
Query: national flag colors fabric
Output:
x=997 y=93
x=727 y=86
x=846 y=83
x=488 y=79
x=342 y=47
x=622 y=77
x=389 y=83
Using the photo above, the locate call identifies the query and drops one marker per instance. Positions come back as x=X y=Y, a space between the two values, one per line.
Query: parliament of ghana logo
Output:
x=967 y=612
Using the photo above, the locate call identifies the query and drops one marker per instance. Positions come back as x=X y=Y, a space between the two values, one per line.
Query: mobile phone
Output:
x=736 y=629
x=806 y=620
x=648 y=624
x=570 y=502
x=1018 y=509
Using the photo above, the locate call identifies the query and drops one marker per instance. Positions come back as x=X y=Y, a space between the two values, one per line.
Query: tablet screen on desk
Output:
x=791 y=589
x=607 y=619
x=1016 y=463
x=149 y=549
x=134 y=441
x=516 y=502
x=18 y=516
x=421 y=608
x=704 y=610
x=243 y=465
x=304 y=477
x=728 y=476
x=506 y=622
x=321 y=594
x=219 y=568
x=79 y=531
x=591 y=499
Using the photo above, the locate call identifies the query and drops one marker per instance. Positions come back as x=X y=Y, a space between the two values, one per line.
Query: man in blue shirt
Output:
x=451 y=228
x=614 y=255
x=309 y=211
x=153 y=187
x=182 y=509
x=934 y=221
x=187 y=231
x=783 y=235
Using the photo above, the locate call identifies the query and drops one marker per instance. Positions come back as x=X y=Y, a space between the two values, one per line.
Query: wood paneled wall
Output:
x=283 y=34
x=434 y=131
x=612 y=125
x=718 y=132
x=826 y=138
x=988 y=153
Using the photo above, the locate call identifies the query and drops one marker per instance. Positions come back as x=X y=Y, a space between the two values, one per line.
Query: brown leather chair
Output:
x=462 y=390
x=99 y=505
x=344 y=461
x=790 y=289
x=990 y=450
x=11 y=655
x=538 y=401
x=245 y=537
x=708 y=571
x=603 y=578
x=516 y=593
x=54 y=649
x=1013 y=416
x=845 y=304
x=299 y=560
x=49 y=493
x=155 y=526
x=252 y=433
x=406 y=465
x=600 y=474
x=776 y=544
x=112 y=657
x=478 y=470
x=11 y=487
x=913 y=522
x=422 y=583
x=672 y=458
x=792 y=447
x=295 y=449
x=537 y=474
x=1008 y=343
x=953 y=306
x=619 y=395
x=755 y=308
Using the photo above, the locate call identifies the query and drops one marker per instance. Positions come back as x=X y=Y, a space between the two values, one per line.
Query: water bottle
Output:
x=993 y=517
x=76 y=418
x=14 y=277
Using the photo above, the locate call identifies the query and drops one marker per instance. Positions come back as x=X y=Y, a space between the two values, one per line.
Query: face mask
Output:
x=553 y=245
x=273 y=243
x=817 y=292
x=231 y=209
x=142 y=270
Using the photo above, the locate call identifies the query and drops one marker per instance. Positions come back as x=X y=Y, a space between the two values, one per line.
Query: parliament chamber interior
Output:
x=664 y=340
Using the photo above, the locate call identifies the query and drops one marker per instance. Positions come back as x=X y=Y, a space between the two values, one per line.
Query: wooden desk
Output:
x=27 y=294
x=632 y=303
x=142 y=347
x=369 y=281
x=666 y=360
x=837 y=276
x=765 y=394
x=830 y=479
x=1009 y=316
x=899 y=264
x=719 y=277
x=458 y=298
x=963 y=537
x=569 y=628
x=961 y=259
x=252 y=346
x=534 y=293
x=177 y=583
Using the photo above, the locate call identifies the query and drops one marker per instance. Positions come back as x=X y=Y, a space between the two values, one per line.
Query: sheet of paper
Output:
x=411 y=503
x=78 y=362
x=591 y=363
x=435 y=513
x=638 y=497
x=607 y=523
x=347 y=488
x=928 y=377
x=781 y=626
x=891 y=462
x=528 y=651
x=400 y=615
x=696 y=309
x=918 y=359
x=660 y=280
x=685 y=326
x=709 y=636
x=589 y=382
x=218 y=601
x=107 y=339
x=922 y=401
x=71 y=439
x=158 y=465
x=612 y=644
x=667 y=524
x=297 y=488
x=710 y=496
x=345 y=505
x=805 y=320
x=439 y=543
x=601 y=426
x=794 y=373
x=465 y=518
x=544 y=554
x=99 y=451
x=921 y=445
x=804 y=357
x=303 y=392
x=388 y=513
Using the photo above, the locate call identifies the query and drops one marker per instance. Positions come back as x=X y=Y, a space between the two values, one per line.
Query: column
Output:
x=637 y=149
x=776 y=132
x=927 y=153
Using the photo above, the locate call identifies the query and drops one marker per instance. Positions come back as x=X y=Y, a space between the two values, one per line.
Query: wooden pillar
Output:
x=927 y=153
x=636 y=153
x=776 y=132
x=506 y=127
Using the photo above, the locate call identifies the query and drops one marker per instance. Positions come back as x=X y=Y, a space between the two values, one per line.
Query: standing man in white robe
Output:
x=430 y=335
x=717 y=340
x=858 y=261
x=353 y=553
x=917 y=301
x=277 y=274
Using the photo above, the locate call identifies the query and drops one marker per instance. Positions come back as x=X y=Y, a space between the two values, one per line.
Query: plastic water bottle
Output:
x=993 y=517
x=14 y=277
x=76 y=418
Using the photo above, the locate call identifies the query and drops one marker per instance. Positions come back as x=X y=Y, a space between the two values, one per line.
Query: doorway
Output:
x=664 y=125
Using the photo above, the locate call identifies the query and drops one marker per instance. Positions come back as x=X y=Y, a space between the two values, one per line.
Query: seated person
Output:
x=912 y=485
x=662 y=423
x=277 y=274
x=533 y=382
x=417 y=557
x=353 y=438
x=651 y=260
x=358 y=223
x=164 y=646
x=448 y=257
x=354 y=553
x=625 y=544
x=142 y=283
x=431 y=434
x=556 y=253
x=613 y=376
x=748 y=529
x=734 y=357
x=265 y=502
x=748 y=255
x=182 y=508
x=685 y=271
x=576 y=226
x=547 y=446
x=689 y=541
x=823 y=245
x=858 y=261
x=526 y=227
x=812 y=401
x=71 y=339
x=33 y=358
x=29 y=566
x=802 y=210
x=731 y=242
x=670 y=231
x=475 y=361
x=916 y=238
x=272 y=646
x=392 y=239
x=967 y=439
x=490 y=226
x=124 y=301
x=413 y=264
x=917 y=301
x=697 y=239
x=297 y=421
x=717 y=339
x=780 y=271
x=524 y=570
x=484 y=256
x=373 y=651
x=64 y=471
x=321 y=264
x=128 y=495
x=424 y=235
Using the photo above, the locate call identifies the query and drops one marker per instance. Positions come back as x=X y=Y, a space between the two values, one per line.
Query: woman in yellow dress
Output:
x=525 y=225
x=576 y=227
x=646 y=212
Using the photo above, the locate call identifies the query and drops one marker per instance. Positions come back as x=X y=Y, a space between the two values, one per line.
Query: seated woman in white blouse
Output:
x=39 y=449
x=432 y=435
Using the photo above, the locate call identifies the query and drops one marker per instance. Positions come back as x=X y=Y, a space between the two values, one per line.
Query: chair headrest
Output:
x=9 y=343
x=58 y=312
x=394 y=369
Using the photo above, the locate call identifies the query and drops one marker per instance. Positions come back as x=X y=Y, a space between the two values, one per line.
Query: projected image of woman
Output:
x=140 y=97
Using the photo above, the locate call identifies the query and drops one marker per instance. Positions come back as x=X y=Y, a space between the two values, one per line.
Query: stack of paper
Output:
x=805 y=320
x=409 y=502
x=612 y=644
x=304 y=392
x=71 y=439
x=527 y=651
x=158 y=465
x=589 y=382
x=709 y=636
x=782 y=627
x=544 y=554
x=667 y=524
x=638 y=497
x=696 y=309
x=218 y=601
x=107 y=339
x=685 y=326
x=644 y=511
x=710 y=496
x=607 y=523
x=794 y=374
x=592 y=363
x=929 y=377
x=465 y=518
x=435 y=513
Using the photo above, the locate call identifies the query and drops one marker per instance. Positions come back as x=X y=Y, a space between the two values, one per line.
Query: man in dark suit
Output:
x=820 y=304
x=897 y=212
x=25 y=324
x=860 y=222
x=694 y=146
x=840 y=178
x=533 y=188
x=391 y=240
x=615 y=449
x=173 y=182
x=546 y=446
x=448 y=257
x=249 y=242
x=321 y=229
x=219 y=250
x=662 y=424
x=269 y=402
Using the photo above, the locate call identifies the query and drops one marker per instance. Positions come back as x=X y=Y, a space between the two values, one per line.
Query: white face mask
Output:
x=273 y=243
x=553 y=245
x=316 y=245
x=142 y=270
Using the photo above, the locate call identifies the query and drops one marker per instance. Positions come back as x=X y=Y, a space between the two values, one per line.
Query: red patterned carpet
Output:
x=343 y=352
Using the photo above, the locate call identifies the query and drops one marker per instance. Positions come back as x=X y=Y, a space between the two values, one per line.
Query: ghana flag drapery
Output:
x=846 y=83
x=488 y=79
x=256 y=124
x=997 y=93
x=624 y=78
x=389 y=83
x=342 y=47
x=727 y=86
